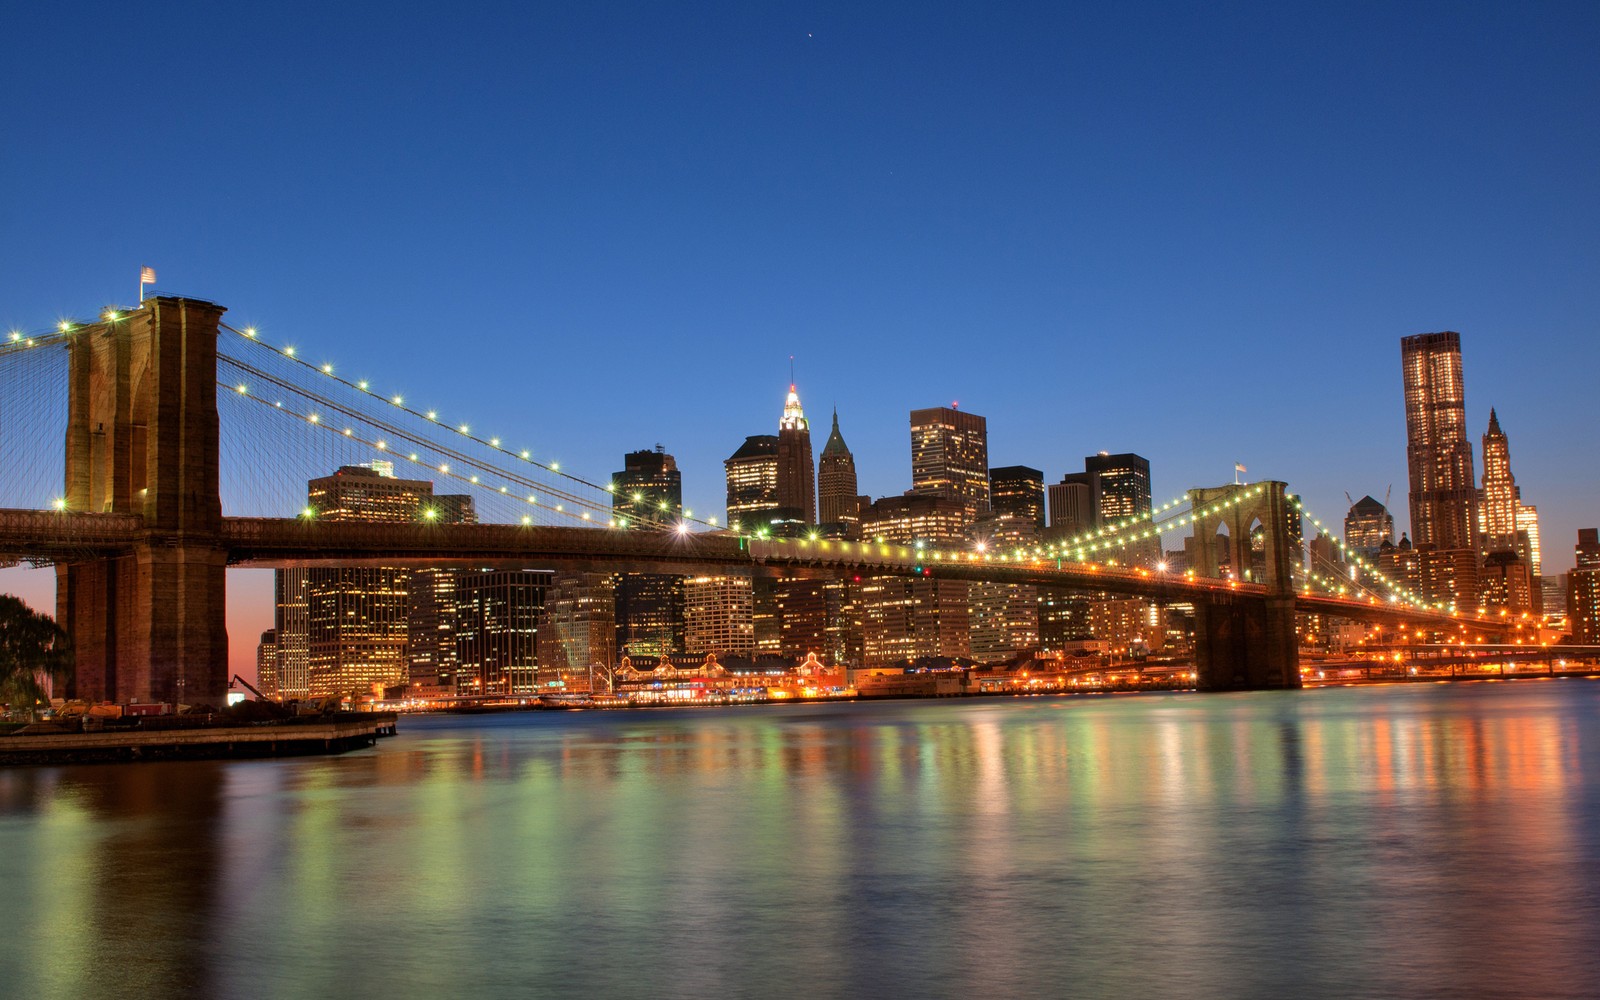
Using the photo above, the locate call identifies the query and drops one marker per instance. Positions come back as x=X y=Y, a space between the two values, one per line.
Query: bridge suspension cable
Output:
x=504 y=459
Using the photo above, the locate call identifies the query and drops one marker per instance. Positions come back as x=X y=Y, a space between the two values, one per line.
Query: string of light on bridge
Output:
x=1397 y=590
x=464 y=430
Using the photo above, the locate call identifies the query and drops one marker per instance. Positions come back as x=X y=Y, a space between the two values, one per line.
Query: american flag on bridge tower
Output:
x=147 y=275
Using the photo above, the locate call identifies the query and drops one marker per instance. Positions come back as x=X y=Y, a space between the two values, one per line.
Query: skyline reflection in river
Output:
x=1400 y=841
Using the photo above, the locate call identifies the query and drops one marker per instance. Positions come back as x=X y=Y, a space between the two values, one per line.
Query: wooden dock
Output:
x=280 y=739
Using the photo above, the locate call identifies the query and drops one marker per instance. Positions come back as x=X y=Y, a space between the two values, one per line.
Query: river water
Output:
x=1406 y=841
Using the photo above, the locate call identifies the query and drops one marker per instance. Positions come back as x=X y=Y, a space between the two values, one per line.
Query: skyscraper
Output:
x=752 y=473
x=648 y=493
x=1367 y=525
x=347 y=629
x=496 y=631
x=649 y=489
x=950 y=457
x=1499 y=490
x=577 y=631
x=1121 y=493
x=797 y=487
x=837 y=499
x=1583 y=589
x=1444 y=496
x=1018 y=491
x=905 y=618
x=1071 y=506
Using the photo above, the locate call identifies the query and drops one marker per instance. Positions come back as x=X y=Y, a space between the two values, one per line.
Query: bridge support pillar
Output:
x=142 y=438
x=1247 y=646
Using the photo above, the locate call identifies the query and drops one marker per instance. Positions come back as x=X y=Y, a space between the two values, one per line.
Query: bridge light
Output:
x=414 y=456
x=314 y=418
x=503 y=489
x=586 y=515
x=463 y=428
x=683 y=527
x=362 y=385
x=494 y=442
x=60 y=503
x=444 y=468
x=526 y=519
x=308 y=513
x=474 y=479
x=525 y=454
x=433 y=414
x=712 y=522
x=380 y=446
x=560 y=509
x=555 y=466
x=111 y=315
x=243 y=389
x=327 y=369
x=63 y=326
x=249 y=331
x=288 y=352
x=16 y=335
x=349 y=432
x=430 y=513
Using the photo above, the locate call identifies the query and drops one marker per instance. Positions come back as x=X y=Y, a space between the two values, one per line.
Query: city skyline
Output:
x=1190 y=235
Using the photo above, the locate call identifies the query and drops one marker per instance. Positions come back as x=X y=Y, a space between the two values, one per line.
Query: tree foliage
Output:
x=32 y=649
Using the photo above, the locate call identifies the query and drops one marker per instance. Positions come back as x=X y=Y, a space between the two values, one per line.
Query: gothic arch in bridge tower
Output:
x=1245 y=641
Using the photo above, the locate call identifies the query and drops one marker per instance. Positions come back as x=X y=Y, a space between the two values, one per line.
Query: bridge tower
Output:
x=1246 y=643
x=142 y=438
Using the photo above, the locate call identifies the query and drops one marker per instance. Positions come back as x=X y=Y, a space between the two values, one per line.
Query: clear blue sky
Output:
x=1194 y=231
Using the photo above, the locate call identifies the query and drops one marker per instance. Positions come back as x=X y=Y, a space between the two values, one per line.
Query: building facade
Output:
x=797 y=488
x=950 y=457
x=1443 y=491
x=837 y=500
x=1367 y=525
x=752 y=474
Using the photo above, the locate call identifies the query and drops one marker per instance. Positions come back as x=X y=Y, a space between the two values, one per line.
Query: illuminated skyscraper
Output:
x=906 y=618
x=836 y=482
x=497 y=631
x=1367 y=526
x=797 y=487
x=648 y=494
x=347 y=629
x=649 y=489
x=1018 y=491
x=752 y=473
x=950 y=457
x=1444 y=496
x=267 y=664
x=1583 y=590
x=577 y=631
x=1499 y=490
x=1121 y=494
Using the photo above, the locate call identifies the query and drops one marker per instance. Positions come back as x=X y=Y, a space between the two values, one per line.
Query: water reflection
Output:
x=1401 y=841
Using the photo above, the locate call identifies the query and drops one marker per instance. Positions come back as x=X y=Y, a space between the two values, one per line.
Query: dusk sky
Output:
x=1196 y=232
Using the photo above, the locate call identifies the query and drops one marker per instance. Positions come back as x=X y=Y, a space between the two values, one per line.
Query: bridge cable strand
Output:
x=250 y=336
x=382 y=447
x=1397 y=589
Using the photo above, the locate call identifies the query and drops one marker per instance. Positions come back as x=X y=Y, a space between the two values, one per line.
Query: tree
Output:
x=32 y=649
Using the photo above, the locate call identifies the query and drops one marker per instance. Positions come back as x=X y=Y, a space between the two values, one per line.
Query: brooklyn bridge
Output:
x=164 y=403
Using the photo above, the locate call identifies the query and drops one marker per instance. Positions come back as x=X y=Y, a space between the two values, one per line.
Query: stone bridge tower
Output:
x=142 y=438
x=1247 y=643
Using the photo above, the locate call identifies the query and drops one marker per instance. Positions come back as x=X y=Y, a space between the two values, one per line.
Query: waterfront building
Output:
x=720 y=615
x=950 y=457
x=1127 y=624
x=347 y=629
x=1018 y=491
x=267 y=664
x=1367 y=525
x=1443 y=494
x=576 y=639
x=1004 y=618
x=922 y=616
x=431 y=622
x=497 y=631
x=797 y=490
x=837 y=500
x=1583 y=589
x=752 y=474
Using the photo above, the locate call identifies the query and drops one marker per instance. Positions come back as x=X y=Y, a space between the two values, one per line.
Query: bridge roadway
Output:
x=66 y=536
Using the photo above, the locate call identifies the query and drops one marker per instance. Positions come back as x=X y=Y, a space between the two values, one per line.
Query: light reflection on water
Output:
x=1400 y=841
